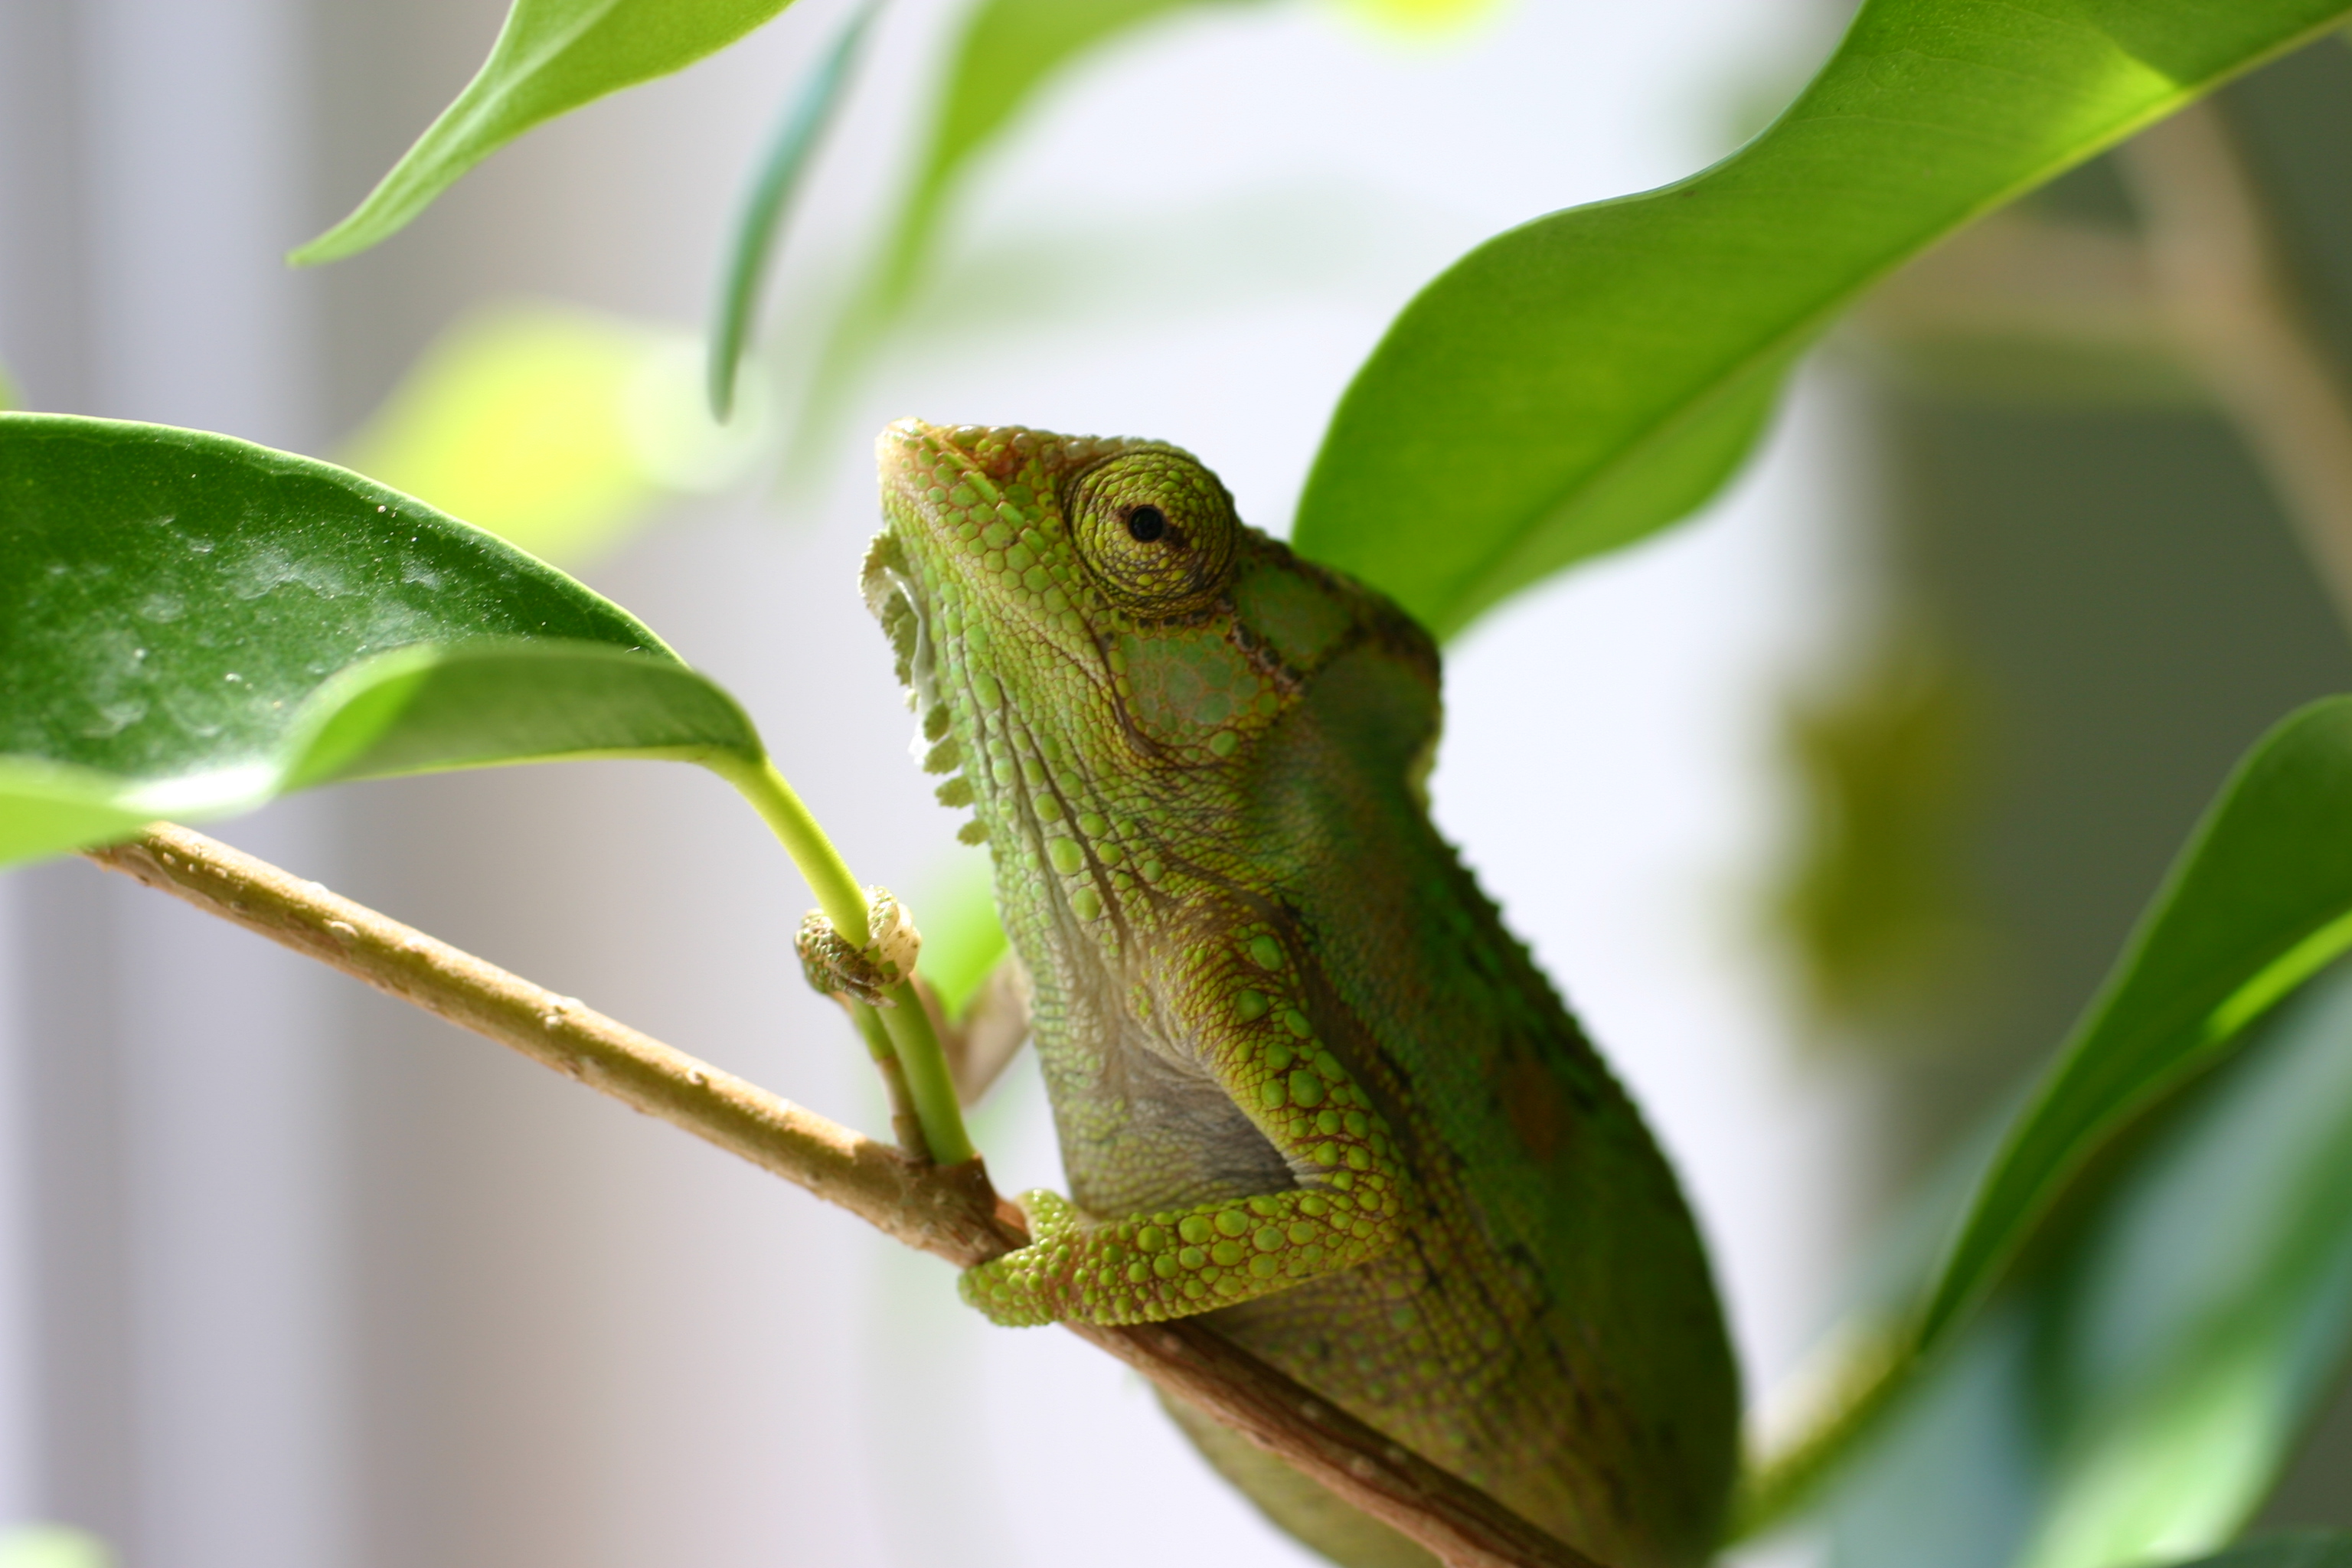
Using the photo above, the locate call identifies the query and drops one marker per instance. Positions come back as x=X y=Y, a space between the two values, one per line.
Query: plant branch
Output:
x=950 y=1211
x=2229 y=289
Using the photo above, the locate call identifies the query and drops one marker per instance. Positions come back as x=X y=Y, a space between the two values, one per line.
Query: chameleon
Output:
x=1306 y=1083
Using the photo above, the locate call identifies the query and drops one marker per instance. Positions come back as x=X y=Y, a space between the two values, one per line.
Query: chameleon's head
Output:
x=1104 y=651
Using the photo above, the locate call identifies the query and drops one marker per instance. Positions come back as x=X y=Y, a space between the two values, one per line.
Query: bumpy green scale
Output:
x=1304 y=1078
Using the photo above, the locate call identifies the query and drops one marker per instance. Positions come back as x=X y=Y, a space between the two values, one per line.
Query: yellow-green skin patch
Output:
x=1304 y=1078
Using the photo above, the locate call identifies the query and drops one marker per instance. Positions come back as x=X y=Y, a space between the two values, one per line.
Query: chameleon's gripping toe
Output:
x=835 y=967
x=1013 y=1291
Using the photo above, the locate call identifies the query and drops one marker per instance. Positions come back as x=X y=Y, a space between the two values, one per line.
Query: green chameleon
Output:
x=1304 y=1081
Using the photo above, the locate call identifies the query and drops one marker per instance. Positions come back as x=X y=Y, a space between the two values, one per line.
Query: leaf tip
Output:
x=346 y=239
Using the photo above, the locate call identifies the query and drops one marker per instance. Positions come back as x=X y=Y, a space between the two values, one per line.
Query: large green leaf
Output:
x=191 y=624
x=1590 y=376
x=551 y=56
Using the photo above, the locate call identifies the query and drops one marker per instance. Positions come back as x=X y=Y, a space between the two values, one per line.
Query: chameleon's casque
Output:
x=1304 y=1078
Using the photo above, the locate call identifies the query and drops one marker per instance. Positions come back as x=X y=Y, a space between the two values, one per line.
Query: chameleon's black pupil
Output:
x=1147 y=525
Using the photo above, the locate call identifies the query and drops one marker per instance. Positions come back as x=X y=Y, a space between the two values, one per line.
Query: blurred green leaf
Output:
x=190 y=625
x=1876 y=903
x=557 y=429
x=759 y=224
x=52 y=1546
x=1418 y=18
x=551 y=56
x=1590 y=376
x=2316 y=1549
x=2260 y=901
x=2133 y=1393
x=1011 y=49
x=2197 y=1324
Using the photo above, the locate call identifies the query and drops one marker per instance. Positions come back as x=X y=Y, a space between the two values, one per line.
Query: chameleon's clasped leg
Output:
x=835 y=968
x=1147 y=1268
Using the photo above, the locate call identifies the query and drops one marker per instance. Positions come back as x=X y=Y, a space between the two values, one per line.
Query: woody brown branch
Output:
x=950 y=1211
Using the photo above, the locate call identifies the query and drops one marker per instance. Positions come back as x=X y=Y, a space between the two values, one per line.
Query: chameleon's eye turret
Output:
x=1157 y=531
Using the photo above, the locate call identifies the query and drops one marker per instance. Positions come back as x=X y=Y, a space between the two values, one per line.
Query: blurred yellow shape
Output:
x=52 y=1546
x=1419 y=17
x=560 y=430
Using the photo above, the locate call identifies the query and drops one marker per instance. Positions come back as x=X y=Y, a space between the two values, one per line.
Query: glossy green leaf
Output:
x=190 y=625
x=1590 y=376
x=757 y=226
x=560 y=430
x=1011 y=50
x=550 y=57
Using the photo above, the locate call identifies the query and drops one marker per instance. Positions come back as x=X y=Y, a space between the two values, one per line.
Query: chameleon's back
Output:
x=1550 y=1330
x=1296 y=1063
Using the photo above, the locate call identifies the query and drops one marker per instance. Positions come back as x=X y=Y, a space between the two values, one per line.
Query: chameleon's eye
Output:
x=1157 y=531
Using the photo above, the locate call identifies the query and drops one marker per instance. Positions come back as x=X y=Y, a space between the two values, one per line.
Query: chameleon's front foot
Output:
x=835 y=968
x=1015 y=1290
x=1147 y=1268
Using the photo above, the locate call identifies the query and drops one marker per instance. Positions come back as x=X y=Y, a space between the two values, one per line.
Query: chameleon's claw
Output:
x=1011 y=1290
x=836 y=969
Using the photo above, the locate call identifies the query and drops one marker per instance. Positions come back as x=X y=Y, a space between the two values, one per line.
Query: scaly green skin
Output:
x=1304 y=1078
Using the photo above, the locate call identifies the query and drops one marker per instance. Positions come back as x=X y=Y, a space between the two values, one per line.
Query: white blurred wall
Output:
x=290 y=1274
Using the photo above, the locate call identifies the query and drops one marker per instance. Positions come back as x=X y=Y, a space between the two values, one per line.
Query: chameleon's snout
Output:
x=926 y=474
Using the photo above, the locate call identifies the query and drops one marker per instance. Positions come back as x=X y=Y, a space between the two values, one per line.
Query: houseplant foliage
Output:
x=190 y=626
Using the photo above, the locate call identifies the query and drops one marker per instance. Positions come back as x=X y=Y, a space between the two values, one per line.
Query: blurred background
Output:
x=1827 y=810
